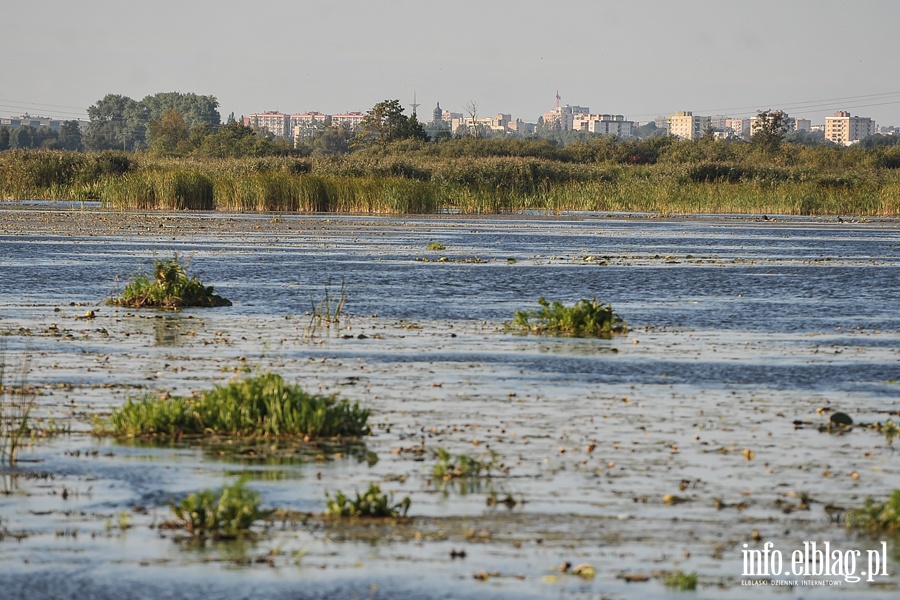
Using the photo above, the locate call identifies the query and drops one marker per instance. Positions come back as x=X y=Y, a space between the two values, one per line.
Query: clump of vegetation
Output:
x=587 y=318
x=259 y=406
x=169 y=287
x=226 y=513
x=16 y=403
x=680 y=580
x=435 y=246
x=876 y=517
x=449 y=467
x=373 y=503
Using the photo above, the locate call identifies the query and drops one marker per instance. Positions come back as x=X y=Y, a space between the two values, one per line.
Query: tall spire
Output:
x=414 y=104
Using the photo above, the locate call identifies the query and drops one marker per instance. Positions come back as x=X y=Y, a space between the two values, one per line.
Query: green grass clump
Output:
x=226 y=513
x=169 y=287
x=680 y=580
x=435 y=246
x=373 y=503
x=876 y=517
x=258 y=406
x=449 y=467
x=587 y=318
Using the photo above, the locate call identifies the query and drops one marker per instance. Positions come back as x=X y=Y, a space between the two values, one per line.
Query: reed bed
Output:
x=670 y=178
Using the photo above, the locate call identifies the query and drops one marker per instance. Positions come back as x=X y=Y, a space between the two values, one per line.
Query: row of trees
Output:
x=25 y=137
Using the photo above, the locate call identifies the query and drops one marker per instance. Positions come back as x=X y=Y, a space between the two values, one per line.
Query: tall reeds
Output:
x=484 y=177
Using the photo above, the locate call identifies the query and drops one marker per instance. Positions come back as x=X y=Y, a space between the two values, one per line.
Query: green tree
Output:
x=22 y=137
x=167 y=133
x=194 y=109
x=117 y=122
x=385 y=122
x=4 y=138
x=70 y=136
x=769 y=129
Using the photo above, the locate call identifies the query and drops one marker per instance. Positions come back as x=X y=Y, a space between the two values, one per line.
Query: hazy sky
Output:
x=640 y=58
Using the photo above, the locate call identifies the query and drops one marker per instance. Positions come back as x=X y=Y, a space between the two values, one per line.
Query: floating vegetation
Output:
x=681 y=581
x=259 y=406
x=876 y=517
x=435 y=246
x=373 y=503
x=226 y=513
x=587 y=318
x=450 y=467
x=16 y=403
x=169 y=287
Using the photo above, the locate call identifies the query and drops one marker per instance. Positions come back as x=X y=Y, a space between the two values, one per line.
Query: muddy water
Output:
x=746 y=334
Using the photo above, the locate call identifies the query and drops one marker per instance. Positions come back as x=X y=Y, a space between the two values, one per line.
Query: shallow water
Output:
x=740 y=328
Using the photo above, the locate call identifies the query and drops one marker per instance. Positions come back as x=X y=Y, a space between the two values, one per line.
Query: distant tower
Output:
x=557 y=99
x=414 y=104
x=438 y=114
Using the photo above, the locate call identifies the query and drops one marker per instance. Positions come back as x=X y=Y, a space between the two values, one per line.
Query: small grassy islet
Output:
x=372 y=504
x=226 y=513
x=169 y=287
x=586 y=318
x=258 y=406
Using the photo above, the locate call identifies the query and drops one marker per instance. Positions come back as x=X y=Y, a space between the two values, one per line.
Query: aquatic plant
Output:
x=874 y=517
x=680 y=580
x=169 y=287
x=226 y=513
x=16 y=403
x=586 y=318
x=258 y=406
x=436 y=246
x=450 y=467
x=373 y=503
x=327 y=312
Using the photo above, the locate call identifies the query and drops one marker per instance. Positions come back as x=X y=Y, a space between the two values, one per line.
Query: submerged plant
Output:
x=16 y=403
x=680 y=580
x=258 y=406
x=876 y=517
x=373 y=503
x=226 y=513
x=169 y=287
x=587 y=318
x=449 y=467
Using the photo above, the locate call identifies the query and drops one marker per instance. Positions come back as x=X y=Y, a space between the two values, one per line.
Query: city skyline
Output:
x=641 y=58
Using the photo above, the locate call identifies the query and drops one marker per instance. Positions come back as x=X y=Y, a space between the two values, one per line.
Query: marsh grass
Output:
x=226 y=513
x=876 y=518
x=262 y=406
x=170 y=286
x=372 y=504
x=586 y=318
x=16 y=404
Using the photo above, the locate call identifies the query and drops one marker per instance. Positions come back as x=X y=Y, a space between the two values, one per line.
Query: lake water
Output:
x=666 y=449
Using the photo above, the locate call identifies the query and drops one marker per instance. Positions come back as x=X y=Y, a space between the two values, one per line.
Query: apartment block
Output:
x=738 y=128
x=565 y=116
x=351 y=120
x=687 y=126
x=303 y=125
x=275 y=123
x=846 y=130
x=603 y=124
